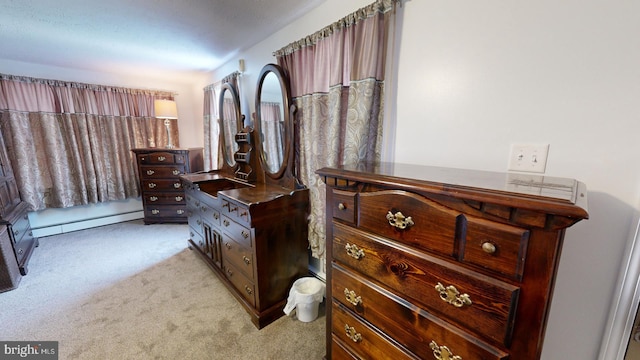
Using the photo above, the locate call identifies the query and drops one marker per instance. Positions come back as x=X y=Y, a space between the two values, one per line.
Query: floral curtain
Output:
x=212 y=146
x=70 y=143
x=337 y=85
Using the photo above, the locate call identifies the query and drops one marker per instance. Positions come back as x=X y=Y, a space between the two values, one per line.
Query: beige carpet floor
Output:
x=134 y=291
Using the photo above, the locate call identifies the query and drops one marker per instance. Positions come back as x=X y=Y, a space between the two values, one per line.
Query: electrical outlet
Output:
x=528 y=157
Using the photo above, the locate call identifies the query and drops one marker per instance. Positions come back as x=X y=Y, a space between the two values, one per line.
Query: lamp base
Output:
x=167 y=124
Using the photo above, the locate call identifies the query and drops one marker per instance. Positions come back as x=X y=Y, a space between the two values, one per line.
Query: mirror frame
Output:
x=284 y=172
x=228 y=158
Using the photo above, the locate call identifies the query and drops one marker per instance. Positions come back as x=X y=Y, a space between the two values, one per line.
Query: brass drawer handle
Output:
x=354 y=251
x=399 y=221
x=227 y=245
x=155 y=212
x=245 y=234
x=232 y=209
x=488 y=247
x=352 y=298
x=150 y=172
x=226 y=222
x=161 y=158
x=452 y=296
x=216 y=216
x=229 y=272
x=179 y=198
x=180 y=212
x=199 y=222
x=152 y=185
x=176 y=172
x=342 y=206
x=177 y=185
x=246 y=260
x=153 y=198
x=352 y=334
x=442 y=352
x=248 y=289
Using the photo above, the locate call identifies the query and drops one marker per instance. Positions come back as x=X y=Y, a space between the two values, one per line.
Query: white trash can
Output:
x=305 y=296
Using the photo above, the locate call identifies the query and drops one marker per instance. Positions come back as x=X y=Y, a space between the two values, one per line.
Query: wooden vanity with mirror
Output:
x=248 y=220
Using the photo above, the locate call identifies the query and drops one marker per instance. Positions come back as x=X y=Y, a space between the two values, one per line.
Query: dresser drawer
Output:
x=161 y=185
x=361 y=339
x=21 y=229
x=411 y=325
x=160 y=172
x=480 y=303
x=151 y=198
x=497 y=247
x=237 y=232
x=160 y=211
x=426 y=224
x=344 y=205
x=161 y=158
x=239 y=256
x=245 y=286
x=235 y=211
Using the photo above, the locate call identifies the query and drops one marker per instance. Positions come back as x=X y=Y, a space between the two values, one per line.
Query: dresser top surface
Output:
x=463 y=182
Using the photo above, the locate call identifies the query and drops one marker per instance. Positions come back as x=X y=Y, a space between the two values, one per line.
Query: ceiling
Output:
x=139 y=36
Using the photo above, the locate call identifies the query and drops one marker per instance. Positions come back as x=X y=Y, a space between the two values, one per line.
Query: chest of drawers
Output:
x=254 y=237
x=436 y=263
x=162 y=193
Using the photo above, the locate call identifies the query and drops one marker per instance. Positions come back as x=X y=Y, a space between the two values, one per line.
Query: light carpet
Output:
x=135 y=291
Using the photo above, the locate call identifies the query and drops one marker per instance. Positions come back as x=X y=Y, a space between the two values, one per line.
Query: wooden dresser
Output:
x=16 y=239
x=254 y=237
x=437 y=263
x=162 y=193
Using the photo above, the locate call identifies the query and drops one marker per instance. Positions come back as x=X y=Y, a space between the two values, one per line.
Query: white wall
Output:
x=477 y=76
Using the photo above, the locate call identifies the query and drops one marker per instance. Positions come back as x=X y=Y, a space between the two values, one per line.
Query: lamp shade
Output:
x=165 y=109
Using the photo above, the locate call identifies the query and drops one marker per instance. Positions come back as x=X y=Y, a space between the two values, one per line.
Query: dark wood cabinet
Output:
x=162 y=193
x=427 y=262
x=254 y=237
x=17 y=242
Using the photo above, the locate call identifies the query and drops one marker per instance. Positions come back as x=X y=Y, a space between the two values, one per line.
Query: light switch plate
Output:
x=528 y=157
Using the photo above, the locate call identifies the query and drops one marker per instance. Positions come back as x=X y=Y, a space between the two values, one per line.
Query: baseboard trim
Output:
x=86 y=224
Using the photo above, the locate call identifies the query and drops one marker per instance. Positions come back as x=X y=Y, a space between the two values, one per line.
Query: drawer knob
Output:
x=245 y=234
x=352 y=298
x=180 y=212
x=150 y=172
x=152 y=185
x=248 y=289
x=155 y=212
x=227 y=245
x=452 y=296
x=399 y=221
x=442 y=352
x=177 y=185
x=342 y=206
x=352 y=334
x=226 y=222
x=216 y=216
x=488 y=247
x=246 y=260
x=354 y=251
x=229 y=272
x=161 y=158
x=179 y=198
x=176 y=172
x=153 y=198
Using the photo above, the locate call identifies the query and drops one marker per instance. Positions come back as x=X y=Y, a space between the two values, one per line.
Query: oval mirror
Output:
x=230 y=122
x=272 y=120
